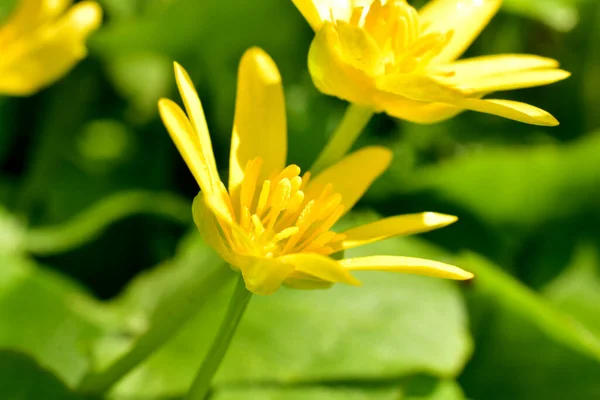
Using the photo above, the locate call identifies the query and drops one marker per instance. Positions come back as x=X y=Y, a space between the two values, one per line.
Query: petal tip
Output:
x=261 y=64
x=88 y=15
x=465 y=276
x=437 y=219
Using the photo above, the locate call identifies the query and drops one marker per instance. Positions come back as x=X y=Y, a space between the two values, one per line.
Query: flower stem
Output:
x=354 y=121
x=210 y=365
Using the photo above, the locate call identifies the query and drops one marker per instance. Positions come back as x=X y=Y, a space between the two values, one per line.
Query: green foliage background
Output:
x=98 y=251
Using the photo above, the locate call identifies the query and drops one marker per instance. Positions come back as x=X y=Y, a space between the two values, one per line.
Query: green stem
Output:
x=181 y=308
x=90 y=224
x=210 y=365
x=354 y=121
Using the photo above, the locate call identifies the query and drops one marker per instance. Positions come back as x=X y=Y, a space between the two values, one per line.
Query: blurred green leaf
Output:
x=6 y=7
x=525 y=349
x=518 y=186
x=412 y=389
x=306 y=393
x=141 y=78
x=577 y=290
x=41 y=314
x=386 y=329
x=21 y=378
x=561 y=15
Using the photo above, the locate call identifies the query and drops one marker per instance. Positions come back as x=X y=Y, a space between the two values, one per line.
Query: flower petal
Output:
x=477 y=67
x=414 y=111
x=195 y=113
x=208 y=226
x=409 y=224
x=359 y=50
x=426 y=89
x=466 y=18
x=405 y=264
x=318 y=11
x=514 y=80
x=46 y=54
x=259 y=127
x=352 y=176
x=29 y=15
x=187 y=143
x=264 y=275
x=330 y=72
x=318 y=267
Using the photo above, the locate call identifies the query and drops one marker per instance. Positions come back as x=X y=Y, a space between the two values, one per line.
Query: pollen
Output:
x=276 y=215
x=405 y=42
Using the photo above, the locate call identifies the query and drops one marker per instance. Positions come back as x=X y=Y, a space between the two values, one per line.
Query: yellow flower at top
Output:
x=272 y=223
x=41 y=41
x=386 y=56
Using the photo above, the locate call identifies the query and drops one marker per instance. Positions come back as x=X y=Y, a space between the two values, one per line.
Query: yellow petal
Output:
x=414 y=111
x=259 y=128
x=514 y=80
x=264 y=276
x=466 y=18
x=318 y=11
x=195 y=113
x=515 y=110
x=185 y=139
x=209 y=230
x=359 y=49
x=332 y=74
x=407 y=265
x=426 y=89
x=29 y=15
x=318 y=267
x=409 y=224
x=46 y=54
x=477 y=67
x=352 y=176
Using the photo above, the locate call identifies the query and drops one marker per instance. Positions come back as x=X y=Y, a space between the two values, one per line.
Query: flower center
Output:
x=279 y=218
x=404 y=41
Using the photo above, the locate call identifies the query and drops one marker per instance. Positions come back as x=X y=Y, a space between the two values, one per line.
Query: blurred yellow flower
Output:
x=41 y=41
x=386 y=56
x=271 y=223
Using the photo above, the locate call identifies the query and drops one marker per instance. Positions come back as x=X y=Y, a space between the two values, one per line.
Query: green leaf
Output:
x=42 y=315
x=577 y=290
x=416 y=388
x=21 y=378
x=390 y=327
x=305 y=393
x=525 y=348
x=530 y=185
x=561 y=15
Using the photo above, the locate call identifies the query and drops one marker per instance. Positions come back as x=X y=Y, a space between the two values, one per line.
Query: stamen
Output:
x=286 y=233
x=295 y=201
x=248 y=186
x=264 y=197
x=259 y=229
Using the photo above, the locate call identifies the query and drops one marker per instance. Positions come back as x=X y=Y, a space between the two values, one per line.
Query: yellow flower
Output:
x=272 y=223
x=41 y=41
x=386 y=56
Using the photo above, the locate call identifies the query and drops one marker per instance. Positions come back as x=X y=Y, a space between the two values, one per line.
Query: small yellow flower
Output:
x=272 y=223
x=386 y=56
x=41 y=41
